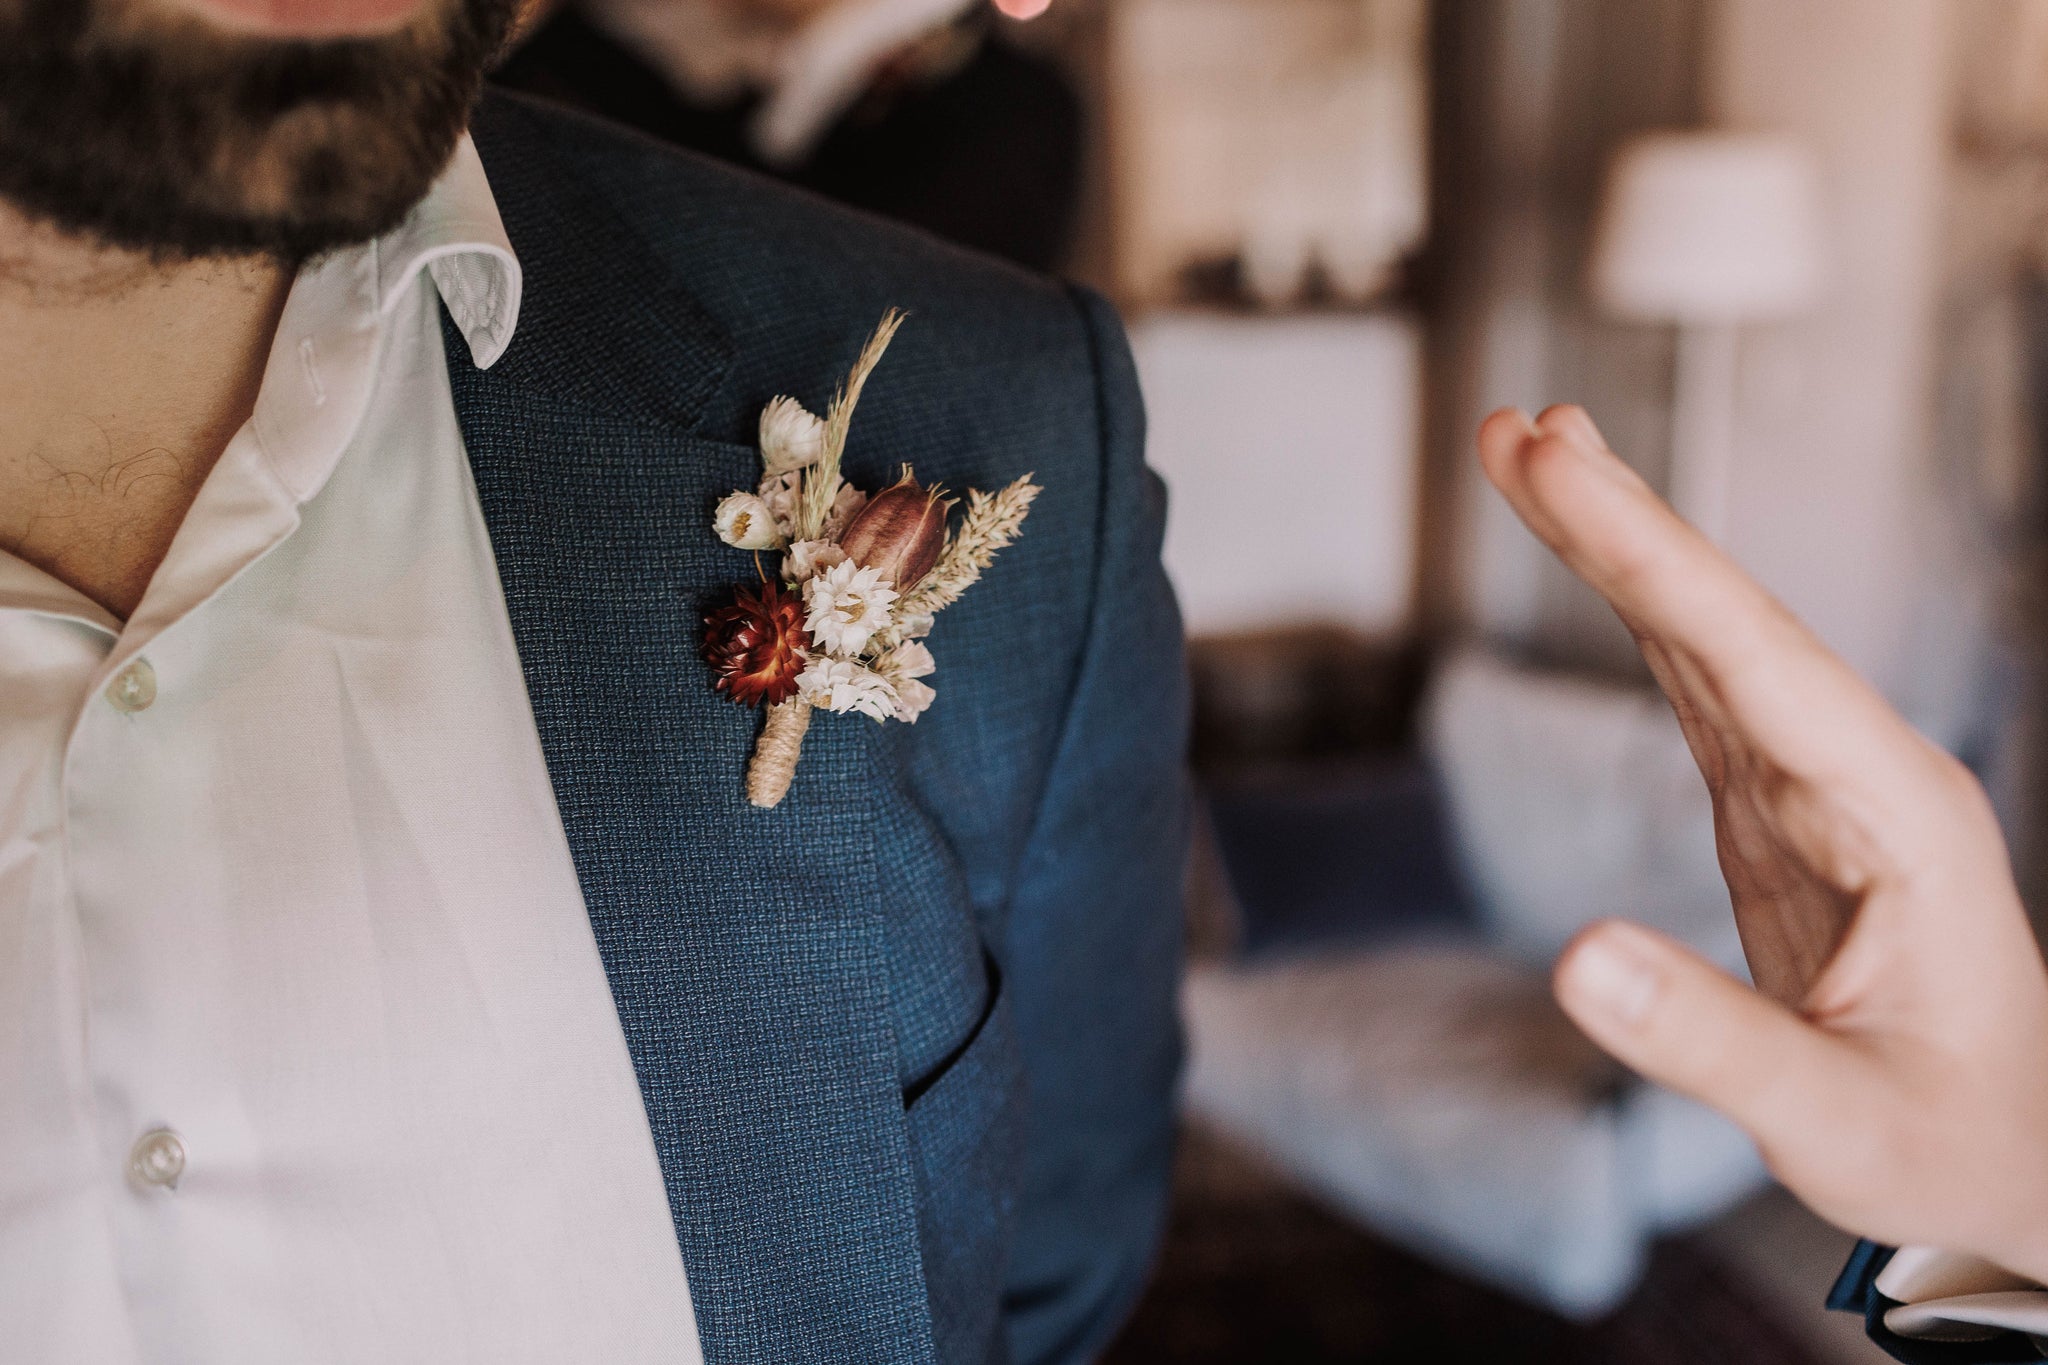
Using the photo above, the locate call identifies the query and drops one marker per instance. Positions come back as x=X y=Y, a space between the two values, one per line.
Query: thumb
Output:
x=1677 y=1019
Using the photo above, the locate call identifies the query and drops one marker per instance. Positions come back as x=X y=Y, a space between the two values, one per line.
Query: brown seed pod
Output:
x=900 y=532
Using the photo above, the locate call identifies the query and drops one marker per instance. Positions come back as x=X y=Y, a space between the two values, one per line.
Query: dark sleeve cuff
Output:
x=1856 y=1292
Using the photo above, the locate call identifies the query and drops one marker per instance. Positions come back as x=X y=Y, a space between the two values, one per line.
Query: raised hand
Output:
x=1892 y=1063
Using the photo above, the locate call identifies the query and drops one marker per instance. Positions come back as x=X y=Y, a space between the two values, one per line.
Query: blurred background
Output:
x=1794 y=256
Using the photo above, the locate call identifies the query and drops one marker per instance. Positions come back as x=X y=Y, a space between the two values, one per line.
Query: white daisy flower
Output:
x=841 y=685
x=791 y=438
x=848 y=604
x=809 y=558
x=745 y=522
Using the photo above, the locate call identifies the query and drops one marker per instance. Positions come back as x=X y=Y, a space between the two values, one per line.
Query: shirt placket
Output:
x=145 y=869
x=161 y=1097
x=53 y=1185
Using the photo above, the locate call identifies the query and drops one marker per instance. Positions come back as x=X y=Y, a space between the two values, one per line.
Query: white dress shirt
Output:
x=307 y=1052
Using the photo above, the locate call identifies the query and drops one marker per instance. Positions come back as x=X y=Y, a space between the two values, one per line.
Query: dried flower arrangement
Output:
x=841 y=627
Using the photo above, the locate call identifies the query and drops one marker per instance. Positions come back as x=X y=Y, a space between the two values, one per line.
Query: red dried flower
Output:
x=756 y=646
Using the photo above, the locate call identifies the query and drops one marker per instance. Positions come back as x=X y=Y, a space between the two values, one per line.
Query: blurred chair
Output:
x=1572 y=798
x=1369 y=1010
x=1433 y=1091
x=916 y=110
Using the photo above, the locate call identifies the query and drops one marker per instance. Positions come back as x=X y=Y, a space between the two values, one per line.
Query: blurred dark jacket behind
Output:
x=960 y=133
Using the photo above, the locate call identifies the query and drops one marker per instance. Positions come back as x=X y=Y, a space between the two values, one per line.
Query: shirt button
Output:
x=133 y=688
x=158 y=1158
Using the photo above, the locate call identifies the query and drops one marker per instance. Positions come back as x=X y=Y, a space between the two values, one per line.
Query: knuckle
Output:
x=1956 y=780
x=1960 y=793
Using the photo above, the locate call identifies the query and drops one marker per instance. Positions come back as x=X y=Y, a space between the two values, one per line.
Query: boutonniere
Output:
x=840 y=627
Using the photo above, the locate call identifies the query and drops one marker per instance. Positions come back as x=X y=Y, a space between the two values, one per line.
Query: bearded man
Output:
x=395 y=968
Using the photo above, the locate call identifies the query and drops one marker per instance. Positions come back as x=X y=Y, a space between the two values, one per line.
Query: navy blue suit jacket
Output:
x=907 y=1043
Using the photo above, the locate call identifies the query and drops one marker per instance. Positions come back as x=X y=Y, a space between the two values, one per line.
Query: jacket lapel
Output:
x=745 y=948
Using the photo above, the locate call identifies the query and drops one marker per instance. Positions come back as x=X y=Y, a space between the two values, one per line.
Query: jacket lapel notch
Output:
x=604 y=326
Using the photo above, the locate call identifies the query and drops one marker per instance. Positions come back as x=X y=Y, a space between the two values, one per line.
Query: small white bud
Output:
x=913 y=699
x=744 y=522
x=791 y=438
x=901 y=668
x=908 y=660
x=847 y=503
x=782 y=492
x=809 y=558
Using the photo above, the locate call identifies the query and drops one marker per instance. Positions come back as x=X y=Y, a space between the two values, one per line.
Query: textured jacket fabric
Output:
x=907 y=1042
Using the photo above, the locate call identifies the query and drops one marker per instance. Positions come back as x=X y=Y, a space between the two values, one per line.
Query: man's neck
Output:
x=121 y=381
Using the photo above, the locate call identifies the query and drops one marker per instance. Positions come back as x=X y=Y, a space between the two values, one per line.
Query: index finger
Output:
x=1769 y=676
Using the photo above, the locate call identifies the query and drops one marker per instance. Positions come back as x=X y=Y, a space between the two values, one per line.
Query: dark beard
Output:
x=156 y=133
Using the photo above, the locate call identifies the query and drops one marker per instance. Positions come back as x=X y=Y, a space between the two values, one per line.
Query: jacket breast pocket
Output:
x=966 y=1142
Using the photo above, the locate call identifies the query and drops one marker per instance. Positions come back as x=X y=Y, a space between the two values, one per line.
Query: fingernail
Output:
x=1612 y=977
x=1589 y=428
x=1574 y=427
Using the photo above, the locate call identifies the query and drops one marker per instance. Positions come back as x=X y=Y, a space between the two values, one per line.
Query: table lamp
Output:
x=1709 y=231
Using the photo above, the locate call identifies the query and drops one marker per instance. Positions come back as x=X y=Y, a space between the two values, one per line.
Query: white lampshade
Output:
x=1708 y=228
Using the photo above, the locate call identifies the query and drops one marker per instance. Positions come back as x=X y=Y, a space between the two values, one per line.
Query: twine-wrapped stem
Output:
x=776 y=752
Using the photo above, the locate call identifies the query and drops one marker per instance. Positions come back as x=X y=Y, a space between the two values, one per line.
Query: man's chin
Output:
x=305 y=18
x=145 y=125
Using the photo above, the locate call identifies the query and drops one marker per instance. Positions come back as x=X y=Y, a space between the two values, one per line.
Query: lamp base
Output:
x=1703 y=426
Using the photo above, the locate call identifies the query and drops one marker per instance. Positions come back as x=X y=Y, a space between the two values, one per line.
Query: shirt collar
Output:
x=457 y=237
x=318 y=381
x=323 y=361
